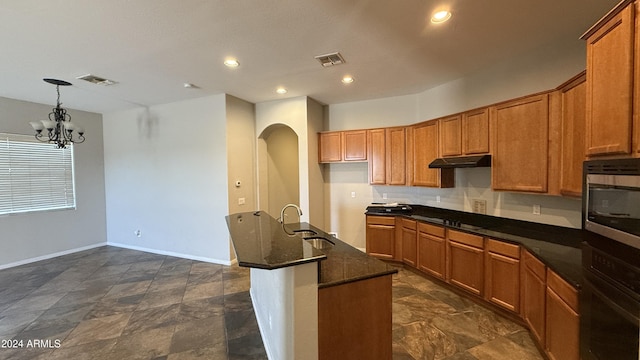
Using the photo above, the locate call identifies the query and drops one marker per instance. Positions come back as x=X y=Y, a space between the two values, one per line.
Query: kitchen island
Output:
x=315 y=297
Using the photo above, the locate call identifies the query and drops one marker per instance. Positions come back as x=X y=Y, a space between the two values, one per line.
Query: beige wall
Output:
x=33 y=236
x=283 y=170
x=241 y=151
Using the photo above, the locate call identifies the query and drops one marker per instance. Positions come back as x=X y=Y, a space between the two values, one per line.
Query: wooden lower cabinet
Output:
x=355 y=320
x=432 y=250
x=534 y=295
x=502 y=274
x=562 y=327
x=409 y=242
x=381 y=237
x=466 y=261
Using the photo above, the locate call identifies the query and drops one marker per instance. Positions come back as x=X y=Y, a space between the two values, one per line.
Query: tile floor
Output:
x=113 y=303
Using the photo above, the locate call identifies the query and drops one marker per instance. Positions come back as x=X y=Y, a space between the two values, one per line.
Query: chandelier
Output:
x=59 y=126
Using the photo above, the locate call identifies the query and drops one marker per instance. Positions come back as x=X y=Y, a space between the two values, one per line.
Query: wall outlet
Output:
x=536 y=209
x=353 y=194
x=384 y=196
x=438 y=198
x=241 y=201
x=138 y=233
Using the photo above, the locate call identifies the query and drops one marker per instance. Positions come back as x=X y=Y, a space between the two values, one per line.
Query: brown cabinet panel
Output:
x=355 y=320
x=409 y=243
x=466 y=265
x=562 y=329
x=521 y=145
x=466 y=238
x=574 y=97
x=451 y=136
x=475 y=132
x=534 y=296
x=354 y=145
x=381 y=237
x=610 y=57
x=395 y=156
x=431 y=254
x=502 y=281
x=330 y=145
x=425 y=150
x=377 y=156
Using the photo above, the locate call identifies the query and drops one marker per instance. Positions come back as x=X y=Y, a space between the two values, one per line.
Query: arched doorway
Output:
x=278 y=162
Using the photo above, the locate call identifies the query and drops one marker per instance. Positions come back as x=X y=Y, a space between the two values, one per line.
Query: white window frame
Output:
x=35 y=176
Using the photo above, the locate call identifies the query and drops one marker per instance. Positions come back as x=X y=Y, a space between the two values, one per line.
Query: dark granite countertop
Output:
x=262 y=242
x=558 y=247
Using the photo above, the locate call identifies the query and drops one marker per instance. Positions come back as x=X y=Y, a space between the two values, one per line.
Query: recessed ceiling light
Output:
x=190 y=86
x=347 y=79
x=441 y=16
x=281 y=90
x=231 y=63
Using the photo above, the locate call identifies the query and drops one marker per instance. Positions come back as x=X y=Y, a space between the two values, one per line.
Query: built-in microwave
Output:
x=611 y=203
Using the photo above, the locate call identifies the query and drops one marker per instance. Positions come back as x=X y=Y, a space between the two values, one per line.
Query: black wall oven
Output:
x=610 y=294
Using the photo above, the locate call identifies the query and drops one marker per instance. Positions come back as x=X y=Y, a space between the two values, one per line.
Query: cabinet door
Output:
x=610 y=59
x=354 y=145
x=466 y=267
x=475 y=132
x=330 y=144
x=573 y=135
x=503 y=281
x=409 y=246
x=396 y=154
x=425 y=150
x=381 y=241
x=562 y=337
x=431 y=254
x=521 y=149
x=377 y=159
x=534 y=296
x=451 y=136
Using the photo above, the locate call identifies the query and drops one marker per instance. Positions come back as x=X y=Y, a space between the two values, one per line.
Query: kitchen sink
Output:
x=319 y=243
x=305 y=233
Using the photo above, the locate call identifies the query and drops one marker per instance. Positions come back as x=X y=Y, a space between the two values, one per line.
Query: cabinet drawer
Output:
x=565 y=291
x=536 y=266
x=381 y=220
x=503 y=248
x=467 y=239
x=409 y=224
x=431 y=229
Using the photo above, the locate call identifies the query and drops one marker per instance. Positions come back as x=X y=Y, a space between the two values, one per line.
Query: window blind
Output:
x=34 y=176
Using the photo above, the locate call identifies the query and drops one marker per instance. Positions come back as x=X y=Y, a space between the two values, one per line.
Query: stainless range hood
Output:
x=461 y=162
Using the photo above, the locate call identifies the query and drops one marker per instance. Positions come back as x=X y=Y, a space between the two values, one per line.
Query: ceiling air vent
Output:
x=330 y=59
x=96 y=80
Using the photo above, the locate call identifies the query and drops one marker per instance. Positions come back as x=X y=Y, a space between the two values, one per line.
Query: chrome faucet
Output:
x=281 y=218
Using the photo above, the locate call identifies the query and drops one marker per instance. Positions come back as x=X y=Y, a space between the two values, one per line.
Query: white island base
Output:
x=285 y=301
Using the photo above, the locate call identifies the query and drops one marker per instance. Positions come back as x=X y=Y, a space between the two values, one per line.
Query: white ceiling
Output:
x=152 y=47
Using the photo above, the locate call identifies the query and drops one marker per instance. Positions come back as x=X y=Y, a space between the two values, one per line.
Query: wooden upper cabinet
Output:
x=330 y=146
x=475 y=132
x=610 y=80
x=573 y=134
x=395 y=146
x=336 y=146
x=377 y=156
x=354 y=145
x=451 y=136
x=520 y=136
x=423 y=149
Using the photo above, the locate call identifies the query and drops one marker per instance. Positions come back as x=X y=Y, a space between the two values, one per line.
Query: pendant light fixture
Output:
x=59 y=126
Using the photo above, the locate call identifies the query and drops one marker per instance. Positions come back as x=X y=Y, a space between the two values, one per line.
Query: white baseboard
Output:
x=49 y=256
x=364 y=250
x=171 y=253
